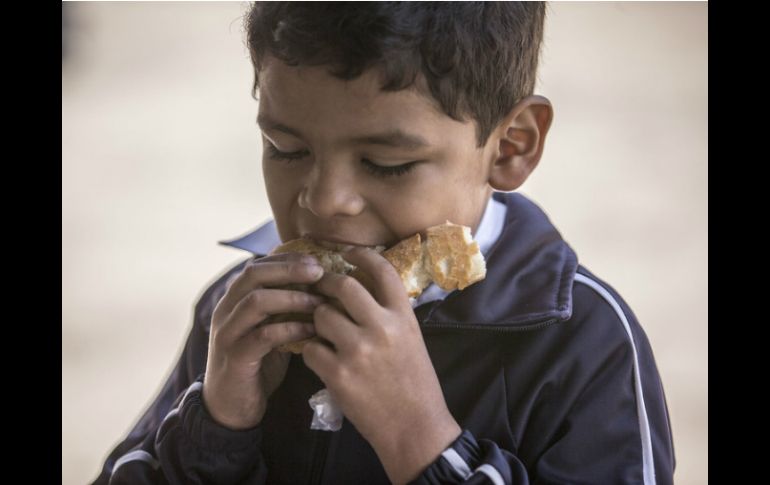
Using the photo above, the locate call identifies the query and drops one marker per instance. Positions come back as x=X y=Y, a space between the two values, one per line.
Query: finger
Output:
x=263 y=259
x=322 y=360
x=260 y=341
x=387 y=288
x=283 y=257
x=333 y=325
x=355 y=299
x=270 y=273
x=257 y=305
x=273 y=257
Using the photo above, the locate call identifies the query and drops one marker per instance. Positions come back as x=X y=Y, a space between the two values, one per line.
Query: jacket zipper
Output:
x=320 y=452
x=323 y=438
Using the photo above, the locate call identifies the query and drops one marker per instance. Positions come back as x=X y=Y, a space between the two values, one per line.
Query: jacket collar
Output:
x=259 y=241
x=486 y=235
x=530 y=271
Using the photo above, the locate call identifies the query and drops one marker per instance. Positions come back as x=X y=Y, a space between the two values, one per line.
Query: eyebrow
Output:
x=389 y=138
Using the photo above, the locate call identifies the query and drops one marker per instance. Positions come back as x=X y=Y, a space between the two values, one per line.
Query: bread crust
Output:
x=329 y=259
x=453 y=257
x=449 y=257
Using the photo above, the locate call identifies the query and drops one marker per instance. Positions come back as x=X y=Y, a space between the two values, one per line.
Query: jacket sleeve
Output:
x=472 y=461
x=176 y=441
x=609 y=415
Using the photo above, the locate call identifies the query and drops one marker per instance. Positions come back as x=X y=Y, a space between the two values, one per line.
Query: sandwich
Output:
x=448 y=257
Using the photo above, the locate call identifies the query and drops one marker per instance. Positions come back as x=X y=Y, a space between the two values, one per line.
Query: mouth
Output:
x=334 y=244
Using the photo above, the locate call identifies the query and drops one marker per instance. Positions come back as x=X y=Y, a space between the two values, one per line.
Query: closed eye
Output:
x=384 y=172
x=276 y=154
x=380 y=171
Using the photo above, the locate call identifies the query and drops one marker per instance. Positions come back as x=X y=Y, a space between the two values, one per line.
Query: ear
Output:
x=520 y=136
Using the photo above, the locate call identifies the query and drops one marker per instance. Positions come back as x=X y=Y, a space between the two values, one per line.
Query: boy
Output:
x=378 y=121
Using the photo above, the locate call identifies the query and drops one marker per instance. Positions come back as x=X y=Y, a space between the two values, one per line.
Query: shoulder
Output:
x=596 y=300
x=602 y=323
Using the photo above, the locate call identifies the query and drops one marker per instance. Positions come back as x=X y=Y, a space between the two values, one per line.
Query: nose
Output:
x=331 y=191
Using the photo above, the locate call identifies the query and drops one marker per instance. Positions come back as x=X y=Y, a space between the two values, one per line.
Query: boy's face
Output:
x=339 y=141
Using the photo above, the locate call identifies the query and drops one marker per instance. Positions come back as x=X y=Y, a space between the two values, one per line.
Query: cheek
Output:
x=281 y=188
x=271 y=180
x=281 y=194
x=280 y=175
x=413 y=205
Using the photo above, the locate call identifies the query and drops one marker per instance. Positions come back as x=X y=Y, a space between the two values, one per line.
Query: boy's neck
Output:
x=485 y=209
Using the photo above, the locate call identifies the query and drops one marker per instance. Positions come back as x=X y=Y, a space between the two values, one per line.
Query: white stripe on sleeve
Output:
x=456 y=462
x=136 y=455
x=491 y=472
x=648 y=467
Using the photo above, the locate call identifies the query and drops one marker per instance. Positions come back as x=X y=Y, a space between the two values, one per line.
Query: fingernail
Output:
x=315 y=269
x=309 y=260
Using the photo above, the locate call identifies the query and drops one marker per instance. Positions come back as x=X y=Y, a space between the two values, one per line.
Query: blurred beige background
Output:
x=161 y=158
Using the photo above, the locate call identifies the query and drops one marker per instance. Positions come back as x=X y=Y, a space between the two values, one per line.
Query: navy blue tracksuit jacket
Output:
x=542 y=364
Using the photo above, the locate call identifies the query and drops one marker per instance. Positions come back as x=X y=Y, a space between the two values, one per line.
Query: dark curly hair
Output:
x=477 y=59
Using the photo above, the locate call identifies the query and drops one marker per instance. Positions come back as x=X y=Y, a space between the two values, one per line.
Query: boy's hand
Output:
x=243 y=369
x=379 y=370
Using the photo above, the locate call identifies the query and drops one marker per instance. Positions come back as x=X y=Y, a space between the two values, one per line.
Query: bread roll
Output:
x=450 y=258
